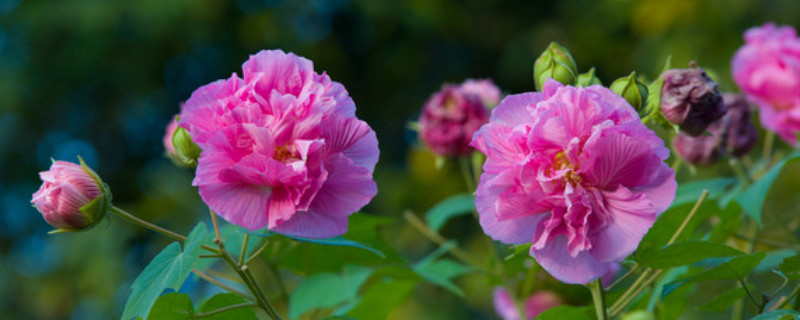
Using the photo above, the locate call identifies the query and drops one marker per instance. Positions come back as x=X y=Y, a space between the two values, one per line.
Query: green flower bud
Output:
x=633 y=90
x=186 y=150
x=588 y=79
x=556 y=63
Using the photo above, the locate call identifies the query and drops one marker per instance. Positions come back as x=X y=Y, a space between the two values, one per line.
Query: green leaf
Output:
x=724 y=300
x=456 y=205
x=774 y=259
x=567 y=313
x=339 y=241
x=441 y=272
x=782 y=314
x=381 y=298
x=752 y=199
x=172 y=306
x=733 y=269
x=223 y=300
x=690 y=191
x=326 y=290
x=790 y=267
x=653 y=107
x=684 y=253
x=168 y=269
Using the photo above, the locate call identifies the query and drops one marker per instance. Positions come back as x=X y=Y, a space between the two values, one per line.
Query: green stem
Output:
x=599 y=298
x=244 y=248
x=464 y=165
x=769 y=139
x=218 y=283
x=147 y=225
x=415 y=222
x=223 y=309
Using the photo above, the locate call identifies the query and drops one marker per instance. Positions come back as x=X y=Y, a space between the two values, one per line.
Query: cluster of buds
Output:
x=555 y=63
x=732 y=135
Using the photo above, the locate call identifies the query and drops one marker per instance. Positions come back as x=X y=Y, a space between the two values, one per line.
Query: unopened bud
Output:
x=633 y=90
x=555 y=63
x=588 y=79
x=72 y=197
x=187 y=151
x=690 y=100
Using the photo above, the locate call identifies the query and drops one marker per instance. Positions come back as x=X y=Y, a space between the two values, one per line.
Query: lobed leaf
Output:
x=456 y=205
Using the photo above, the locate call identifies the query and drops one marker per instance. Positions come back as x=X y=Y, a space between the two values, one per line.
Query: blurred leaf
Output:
x=168 y=269
x=724 y=300
x=456 y=205
x=517 y=250
x=567 y=313
x=441 y=272
x=782 y=314
x=790 y=267
x=333 y=241
x=223 y=300
x=774 y=259
x=733 y=269
x=690 y=191
x=172 y=306
x=684 y=253
x=325 y=290
x=381 y=298
x=752 y=199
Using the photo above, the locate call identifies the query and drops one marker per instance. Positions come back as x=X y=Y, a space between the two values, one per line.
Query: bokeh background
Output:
x=101 y=79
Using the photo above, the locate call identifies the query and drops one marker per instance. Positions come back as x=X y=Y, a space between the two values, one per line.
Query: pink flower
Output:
x=66 y=189
x=534 y=305
x=767 y=69
x=167 y=140
x=576 y=172
x=484 y=89
x=282 y=148
x=452 y=115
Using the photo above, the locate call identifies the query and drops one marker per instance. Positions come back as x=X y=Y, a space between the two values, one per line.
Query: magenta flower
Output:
x=282 y=148
x=534 y=305
x=67 y=190
x=767 y=69
x=576 y=172
x=452 y=115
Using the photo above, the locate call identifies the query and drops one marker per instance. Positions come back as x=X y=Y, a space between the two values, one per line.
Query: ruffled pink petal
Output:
x=629 y=216
x=312 y=225
x=348 y=188
x=277 y=70
x=239 y=203
x=580 y=269
x=515 y=109
x=513 y=231
x=611 y=158
x=352 y=137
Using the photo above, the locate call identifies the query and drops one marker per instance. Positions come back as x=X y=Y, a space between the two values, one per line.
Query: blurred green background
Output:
x=101 y=79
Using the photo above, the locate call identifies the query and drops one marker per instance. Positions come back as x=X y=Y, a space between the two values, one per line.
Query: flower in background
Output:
x=452 y=115
x=72 y=197
x=534 y=305
x=575 y=171
x=732 y=135
x=767 y=69
x=690 y=100
x=281 y=148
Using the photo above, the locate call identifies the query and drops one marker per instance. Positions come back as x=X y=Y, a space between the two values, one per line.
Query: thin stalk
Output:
x=244 y=248
x=464 y=165
x=741 y=171
x=218 y=283
x=784 y=301
x=270 y=308
x=216 y=225
x=255 y=254
x=599 y=298
x=147 y=225
x=223 y=309
x=438 y=239
x=623 y=277
x=749 y=294
x=645 y=279
x=768 y=142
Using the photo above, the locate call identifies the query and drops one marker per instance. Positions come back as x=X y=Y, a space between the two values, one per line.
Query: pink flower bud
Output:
x=690 y=99
x=541 y=301
x=167 y=140
x=72 y=197
x=451 y=116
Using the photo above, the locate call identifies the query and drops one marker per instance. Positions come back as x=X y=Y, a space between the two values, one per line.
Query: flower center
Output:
x=285 y=153
x=561 y=162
